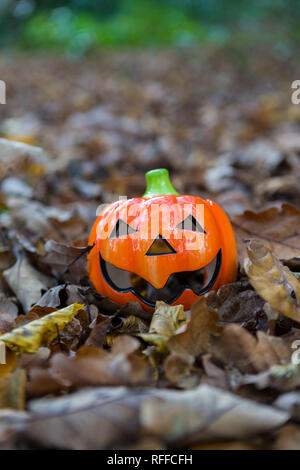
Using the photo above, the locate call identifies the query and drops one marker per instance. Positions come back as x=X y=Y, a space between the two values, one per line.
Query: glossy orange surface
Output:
x=156 y=216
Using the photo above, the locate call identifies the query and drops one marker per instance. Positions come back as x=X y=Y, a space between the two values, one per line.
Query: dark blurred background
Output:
x=80 y=26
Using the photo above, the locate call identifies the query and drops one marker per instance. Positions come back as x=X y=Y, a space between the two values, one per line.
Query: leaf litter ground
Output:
x=222 y=375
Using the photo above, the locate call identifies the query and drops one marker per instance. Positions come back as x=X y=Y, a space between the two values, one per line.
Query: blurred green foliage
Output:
x=78 y=26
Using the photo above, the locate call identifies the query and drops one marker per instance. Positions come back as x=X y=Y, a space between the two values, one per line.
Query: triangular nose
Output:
x=160 y=246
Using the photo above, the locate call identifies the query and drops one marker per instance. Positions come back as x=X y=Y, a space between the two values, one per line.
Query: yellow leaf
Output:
x=165 y=322
x=166 y=319
x=160 y=341
x=274 y=282
x=30 y=337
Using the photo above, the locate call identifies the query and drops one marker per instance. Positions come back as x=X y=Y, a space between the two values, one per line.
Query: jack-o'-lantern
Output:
x=162 y=246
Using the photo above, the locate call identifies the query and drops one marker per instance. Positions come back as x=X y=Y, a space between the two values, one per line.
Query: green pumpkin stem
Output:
x=158 y=183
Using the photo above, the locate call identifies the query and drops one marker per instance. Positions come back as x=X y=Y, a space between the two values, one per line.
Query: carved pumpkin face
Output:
x=161 y=246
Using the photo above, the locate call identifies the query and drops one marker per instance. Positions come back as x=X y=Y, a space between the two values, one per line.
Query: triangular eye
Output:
x=121 y=228
x=190 y=223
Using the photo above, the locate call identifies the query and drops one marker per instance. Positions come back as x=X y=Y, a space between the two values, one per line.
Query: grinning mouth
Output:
x=199 y=281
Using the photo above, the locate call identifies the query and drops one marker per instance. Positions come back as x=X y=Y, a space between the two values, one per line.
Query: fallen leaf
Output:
x=99 y=329
x=197 y=331
x=38 y=359
x=40 y=382
x=278 y=228
x=10 y=362
x=8 y=305
x=165 y=321
x=214 y=375
x=39 y=332
x=14 y=154
x=66 y=260
x=289 y=402
x=26 y=282
x=179 y=370
x=206 y=414
x=238 y=303
x=70 y=337
x=7 y=322
x=272 y=281
x=187 y=345
x=94 y=366
x=12 y=390
x=288 y=438
x=283 y=378
x=45 y=220
x=199 y=415
x=74 y=421
x=238 y=348
x=11 y=423
x=135 y=309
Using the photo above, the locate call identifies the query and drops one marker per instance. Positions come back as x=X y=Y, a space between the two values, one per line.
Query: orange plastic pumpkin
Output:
x=161 y=246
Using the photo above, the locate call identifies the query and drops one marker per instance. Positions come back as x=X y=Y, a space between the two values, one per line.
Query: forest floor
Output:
x=223 y=375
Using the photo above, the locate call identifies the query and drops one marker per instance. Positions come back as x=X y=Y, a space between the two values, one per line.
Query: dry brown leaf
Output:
x=237 y=347
x=26 y=282
x=40 y=382
x=278 y=228
x=238 y=303
x=234 y=347
x=92 y=366
x=187 y=345
x=38 y=359
x=206 y=414
x=70 y=337
x=98 y=418
x=7 y=322
x=177 y=368
x=8 y=305
x=199 y=415
x=274 y=282
x=214 y=375
x=195 y=339
x=288 y=438
x=99 y=328
x=66 y=260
